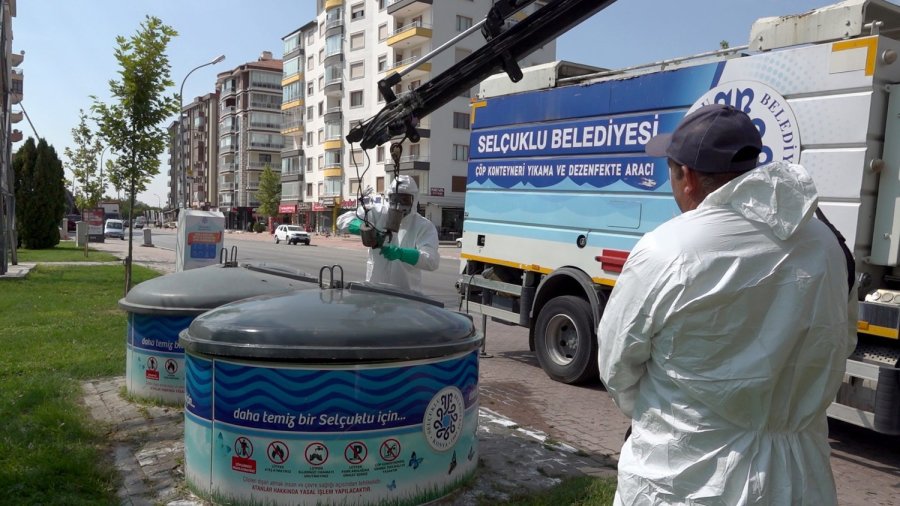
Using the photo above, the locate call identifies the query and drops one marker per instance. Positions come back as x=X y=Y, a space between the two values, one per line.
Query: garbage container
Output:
x=330 y=397
x=162 y=307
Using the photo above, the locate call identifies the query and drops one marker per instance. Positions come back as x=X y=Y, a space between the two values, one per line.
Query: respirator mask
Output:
x=399 y=206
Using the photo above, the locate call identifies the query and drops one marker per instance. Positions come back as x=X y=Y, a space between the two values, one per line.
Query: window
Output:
x=382 y=31
x=379 y=154
x=309 y=168
x=309 y=139
x=357 y=70
x=321 y=55
x=458 y=183
x=354 y=186
x=321 y=133
x=310 y=38
x=379 y=184
x=265 y=158
x=382 y=63
x=463 y=23
x=461 y=152
x=357 y=41
x=461 y=120
x=321 y=189
x=291 y=92
x=333 y=130
x=310 y=62
x=310 y=113
x=291 y=43
x=356 y=98
x=321 y=162
x=413 y=151
x=414 y=84
x=291 y=67
x=333 y=45
x=333 y=158
x=382 y=4
x=310 y=88
x=321 y=108
x=309 y=188
x=357 y=157
x=357 y=11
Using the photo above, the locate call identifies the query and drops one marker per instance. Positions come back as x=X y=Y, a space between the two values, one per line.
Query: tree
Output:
x=40 y=194
x=132 y=123
x=269 y=193
x=723 y=44
x=83 y=163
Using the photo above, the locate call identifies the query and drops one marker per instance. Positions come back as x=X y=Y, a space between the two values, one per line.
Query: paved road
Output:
x=866 y=465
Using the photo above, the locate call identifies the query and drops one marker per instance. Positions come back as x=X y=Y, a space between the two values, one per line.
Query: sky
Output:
x=69 y=46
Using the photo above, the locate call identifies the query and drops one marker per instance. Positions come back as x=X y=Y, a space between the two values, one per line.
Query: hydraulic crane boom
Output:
x=502 y=50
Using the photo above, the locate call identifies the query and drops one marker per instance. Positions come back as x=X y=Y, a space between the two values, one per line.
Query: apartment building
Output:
x=12 y=86
x=194 y=148
x=249 y=135
x=292 y=127
x=343 y=53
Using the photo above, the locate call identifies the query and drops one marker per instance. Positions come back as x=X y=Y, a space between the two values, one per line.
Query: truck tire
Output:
x=565 y=340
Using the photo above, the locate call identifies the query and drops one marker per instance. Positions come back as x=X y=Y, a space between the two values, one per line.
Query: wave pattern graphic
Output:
x=198 y=382
x=349 y=400
x=158 y=333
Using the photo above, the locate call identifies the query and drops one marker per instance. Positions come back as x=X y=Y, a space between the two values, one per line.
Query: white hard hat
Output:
x=404 y=184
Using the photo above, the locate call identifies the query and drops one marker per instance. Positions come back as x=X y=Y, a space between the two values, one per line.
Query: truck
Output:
x=111 y=210
x=559 y=189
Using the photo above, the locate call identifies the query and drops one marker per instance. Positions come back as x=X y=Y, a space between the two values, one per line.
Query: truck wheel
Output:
x=565 y=340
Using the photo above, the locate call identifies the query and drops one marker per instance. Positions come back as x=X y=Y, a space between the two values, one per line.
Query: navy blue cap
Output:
x=708 y=139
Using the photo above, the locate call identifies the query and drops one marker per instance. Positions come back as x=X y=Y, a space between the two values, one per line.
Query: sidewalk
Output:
x=147 y=441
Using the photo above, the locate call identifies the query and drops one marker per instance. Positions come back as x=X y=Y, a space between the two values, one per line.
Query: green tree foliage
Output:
x=132 y=124
x=83 y=163
x=40 y=194
x=269 y=193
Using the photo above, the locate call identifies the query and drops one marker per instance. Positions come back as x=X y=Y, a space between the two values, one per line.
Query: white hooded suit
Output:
x=725 y=340
x=415 y=232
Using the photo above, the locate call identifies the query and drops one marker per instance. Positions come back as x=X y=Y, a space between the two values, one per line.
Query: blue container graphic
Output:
x=330 y=397
x=159 y=309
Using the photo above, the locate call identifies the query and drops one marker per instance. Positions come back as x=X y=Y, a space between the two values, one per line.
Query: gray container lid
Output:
x=196 y=291
x=331 y=325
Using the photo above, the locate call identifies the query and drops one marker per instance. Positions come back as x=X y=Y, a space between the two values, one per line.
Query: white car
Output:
x=291 y=234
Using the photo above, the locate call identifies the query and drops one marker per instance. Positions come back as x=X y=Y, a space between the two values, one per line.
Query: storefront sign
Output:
x=348 y=204
x=287 y=209
x=304 y=206
x=437 y=192
x=317 y=207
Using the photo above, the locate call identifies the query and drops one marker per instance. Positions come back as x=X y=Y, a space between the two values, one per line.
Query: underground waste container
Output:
x=160 y=308
x=330 y=396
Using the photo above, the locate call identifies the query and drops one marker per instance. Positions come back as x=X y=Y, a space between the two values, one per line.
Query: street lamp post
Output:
x=182 y=172
x=159 y=207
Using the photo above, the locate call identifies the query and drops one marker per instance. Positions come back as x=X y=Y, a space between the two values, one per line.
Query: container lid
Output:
x=331 y=325
x=195 y=291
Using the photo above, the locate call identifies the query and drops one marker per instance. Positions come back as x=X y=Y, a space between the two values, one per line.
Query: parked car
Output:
x=291 y=234
x=114 y=228
x=459 y=242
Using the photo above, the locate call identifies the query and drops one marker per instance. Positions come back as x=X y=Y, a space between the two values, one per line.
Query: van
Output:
x=114 y=228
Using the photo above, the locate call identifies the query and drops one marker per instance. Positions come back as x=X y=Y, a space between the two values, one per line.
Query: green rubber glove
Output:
x=353 y=228
x=408 y=255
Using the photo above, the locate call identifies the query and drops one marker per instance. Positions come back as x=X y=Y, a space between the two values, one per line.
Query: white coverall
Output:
x=415 y=232
x=725 y=340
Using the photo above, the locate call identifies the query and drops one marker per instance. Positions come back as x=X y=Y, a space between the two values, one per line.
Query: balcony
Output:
x=334 y=86
x=226 y=199
x=15 y=59
x=334 y=27
x=408 y=8
x=265 y=124
x=15 y=117
x=410 y=162
x=331 y=4
x=228 y=91
x=15 y=136
x=267 y=146
x=226 y=149
x=291 y=79
x=261 y=85
x=334 y=115
x=16 y=86
x=333 y=172
x=272 y=106
x=293 y=126
x=411 y=35
x=420 y=72
x=226 y=186
x=226 y=110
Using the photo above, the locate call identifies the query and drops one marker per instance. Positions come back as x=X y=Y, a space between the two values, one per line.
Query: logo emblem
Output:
x=769 y=111
x=444 y=418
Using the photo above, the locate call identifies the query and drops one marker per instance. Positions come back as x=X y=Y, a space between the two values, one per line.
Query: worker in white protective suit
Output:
x=406 y=252
x=726 y=335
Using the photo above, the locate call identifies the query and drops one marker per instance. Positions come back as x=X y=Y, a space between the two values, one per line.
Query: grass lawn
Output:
x=60 y=325
x=65 y=251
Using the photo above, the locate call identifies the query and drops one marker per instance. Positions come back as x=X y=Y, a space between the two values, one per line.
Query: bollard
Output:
x=148 y=240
